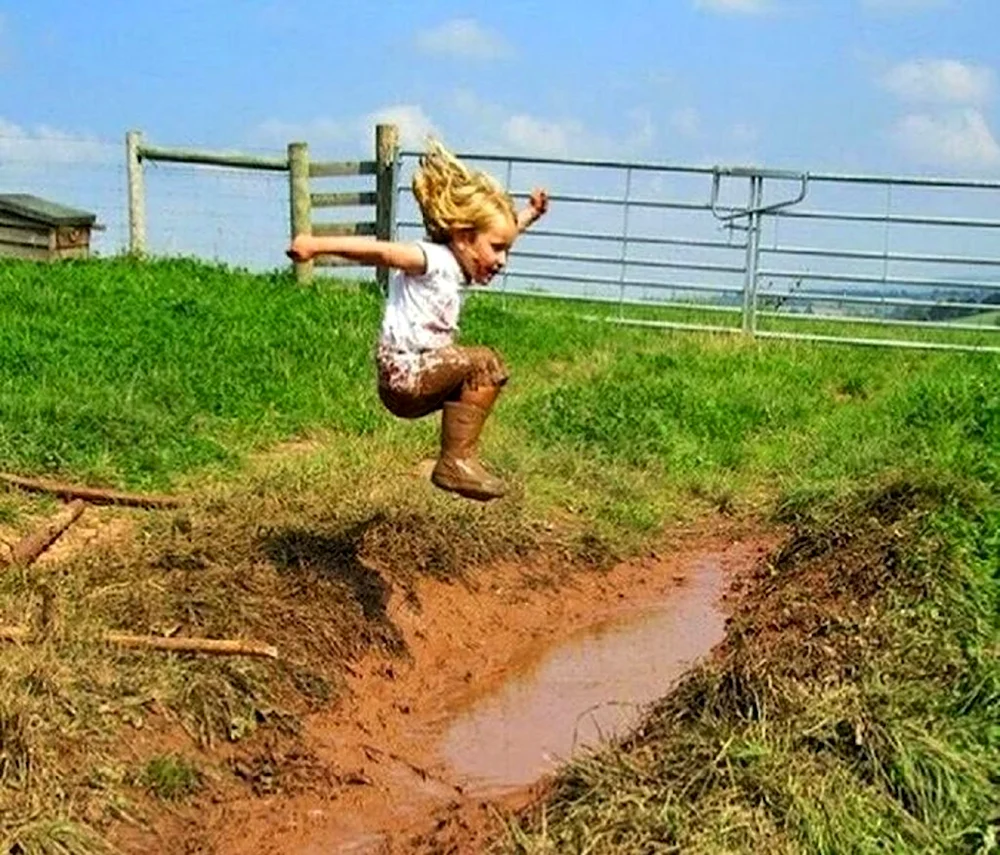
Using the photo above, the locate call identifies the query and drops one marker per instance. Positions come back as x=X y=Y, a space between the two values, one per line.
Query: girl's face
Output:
x=482 y=253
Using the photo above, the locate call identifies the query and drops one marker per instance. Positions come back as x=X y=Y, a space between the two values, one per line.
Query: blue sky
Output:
x=901 y=86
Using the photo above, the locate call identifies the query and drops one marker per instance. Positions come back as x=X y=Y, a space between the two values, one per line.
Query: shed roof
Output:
x=43 y=211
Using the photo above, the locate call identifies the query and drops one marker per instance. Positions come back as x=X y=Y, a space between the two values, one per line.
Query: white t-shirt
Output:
x=421 y=312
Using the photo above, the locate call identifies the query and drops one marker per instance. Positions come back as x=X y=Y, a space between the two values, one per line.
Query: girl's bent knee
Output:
x=486 y=368
x=481 y=396
x=407 y=406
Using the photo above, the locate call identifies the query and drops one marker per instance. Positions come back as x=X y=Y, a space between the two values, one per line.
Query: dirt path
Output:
x=370 y=776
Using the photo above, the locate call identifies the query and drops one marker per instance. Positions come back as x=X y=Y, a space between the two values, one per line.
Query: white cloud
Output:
x=745 y=134
x=545 y=137
x=414 y=124
x=946 y=81
x=462 y=37
x=643 y=132
x=354 y=134
x=46 y=145
x=959 y=138
x=736 y=7
x=473 y=123
x=494 y=128
x=949 y=129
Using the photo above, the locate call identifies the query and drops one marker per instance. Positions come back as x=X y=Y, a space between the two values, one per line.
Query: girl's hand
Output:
x=539 y=202
x=303 y=248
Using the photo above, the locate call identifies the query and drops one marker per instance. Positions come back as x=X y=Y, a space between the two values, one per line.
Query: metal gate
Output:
x=865 y=259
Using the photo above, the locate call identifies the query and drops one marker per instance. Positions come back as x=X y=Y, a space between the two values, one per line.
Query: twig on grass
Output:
x=31 y=546
x=91 y=494
x=215 y=646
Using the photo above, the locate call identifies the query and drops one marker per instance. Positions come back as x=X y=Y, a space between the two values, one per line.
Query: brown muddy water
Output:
x=587 y=690
x=590 y=687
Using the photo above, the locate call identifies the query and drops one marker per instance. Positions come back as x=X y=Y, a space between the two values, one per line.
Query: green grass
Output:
x=986 y=319
x=170 y=777
x=855 y=707
x=132 y=374
x=773 y=323
x=779 y=409
x=141 y=375
x=182 y=375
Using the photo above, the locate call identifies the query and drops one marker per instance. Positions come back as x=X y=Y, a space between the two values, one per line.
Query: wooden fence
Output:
x=303 y=199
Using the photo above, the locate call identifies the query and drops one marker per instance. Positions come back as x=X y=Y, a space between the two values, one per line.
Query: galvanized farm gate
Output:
x=866 y=259
x=907 y=261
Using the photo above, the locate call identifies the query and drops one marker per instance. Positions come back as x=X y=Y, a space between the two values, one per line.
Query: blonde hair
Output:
x=453 y=197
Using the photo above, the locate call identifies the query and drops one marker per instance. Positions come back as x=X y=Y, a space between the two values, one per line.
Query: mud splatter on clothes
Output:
x=419 y=366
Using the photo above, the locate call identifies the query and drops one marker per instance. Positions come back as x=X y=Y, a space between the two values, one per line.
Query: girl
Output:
x=471 y=224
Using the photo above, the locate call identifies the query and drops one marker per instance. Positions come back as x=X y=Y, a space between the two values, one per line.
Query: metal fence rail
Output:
x=903 y=261
x=873 y=259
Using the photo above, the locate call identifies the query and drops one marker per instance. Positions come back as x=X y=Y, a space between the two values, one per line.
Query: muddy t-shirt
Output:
x=422 y=311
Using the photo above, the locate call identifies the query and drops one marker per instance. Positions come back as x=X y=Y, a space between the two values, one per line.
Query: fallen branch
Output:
x=91 y=494
x=29 y=547
x=216 y=646
x=219 y=646
x=14 y=633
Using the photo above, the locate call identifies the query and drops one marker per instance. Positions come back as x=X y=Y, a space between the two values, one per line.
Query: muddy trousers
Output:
x=462 y=382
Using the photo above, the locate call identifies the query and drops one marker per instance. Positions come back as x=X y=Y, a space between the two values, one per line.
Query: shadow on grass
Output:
x=337 y=558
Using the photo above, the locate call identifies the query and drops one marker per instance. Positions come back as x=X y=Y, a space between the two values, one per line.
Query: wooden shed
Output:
x=34 y=228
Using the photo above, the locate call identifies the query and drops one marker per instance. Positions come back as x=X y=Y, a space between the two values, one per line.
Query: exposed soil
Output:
x=96 y=526
x=370 y=775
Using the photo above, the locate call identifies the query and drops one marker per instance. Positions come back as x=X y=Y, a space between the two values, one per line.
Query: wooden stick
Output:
x=221 y=647
x=29 y=547
x=91 y=494
x=14 y=633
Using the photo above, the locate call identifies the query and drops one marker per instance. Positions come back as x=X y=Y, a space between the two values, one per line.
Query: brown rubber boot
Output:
x=457 y=469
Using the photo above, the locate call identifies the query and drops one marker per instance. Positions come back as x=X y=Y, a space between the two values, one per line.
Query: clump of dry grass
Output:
x=52 y=837
x=292 y=554
x=853 y=707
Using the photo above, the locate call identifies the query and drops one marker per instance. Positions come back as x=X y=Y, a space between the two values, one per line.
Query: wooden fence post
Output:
x=301 y=203
x=136 y=195
x=386 y=160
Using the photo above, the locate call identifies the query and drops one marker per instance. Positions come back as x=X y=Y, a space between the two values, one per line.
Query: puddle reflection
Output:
x=588 y=689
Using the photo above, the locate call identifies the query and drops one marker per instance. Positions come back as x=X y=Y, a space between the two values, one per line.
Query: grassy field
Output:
x=986 y=319
x=182 y=376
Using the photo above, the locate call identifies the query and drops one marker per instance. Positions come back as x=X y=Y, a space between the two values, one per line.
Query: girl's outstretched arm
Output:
x=407 y=257
x=538 y=204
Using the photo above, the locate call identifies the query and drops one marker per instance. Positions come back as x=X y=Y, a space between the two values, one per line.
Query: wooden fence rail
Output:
x=302 y=199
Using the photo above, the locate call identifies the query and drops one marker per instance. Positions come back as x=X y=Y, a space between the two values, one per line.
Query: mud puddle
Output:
x=589 y=689
x=503 y=680
x=588 y=686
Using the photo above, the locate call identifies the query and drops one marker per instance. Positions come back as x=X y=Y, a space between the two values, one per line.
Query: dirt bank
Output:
x=370 y=775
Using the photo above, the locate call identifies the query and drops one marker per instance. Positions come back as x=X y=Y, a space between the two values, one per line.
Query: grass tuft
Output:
x=52 y=837
x=171 y=777
x=851 y=708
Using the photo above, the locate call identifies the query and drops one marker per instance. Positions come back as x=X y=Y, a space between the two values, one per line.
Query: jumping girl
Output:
x=471 y=224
